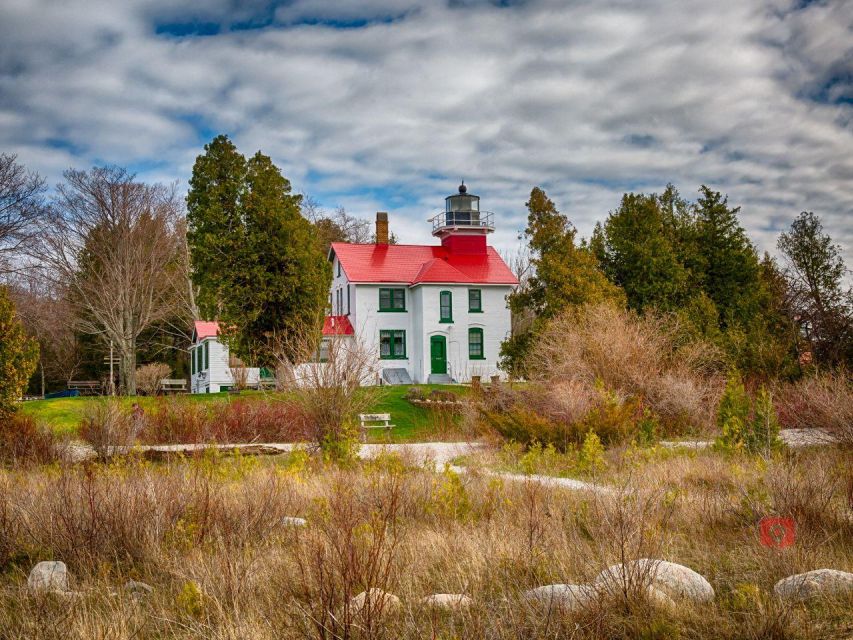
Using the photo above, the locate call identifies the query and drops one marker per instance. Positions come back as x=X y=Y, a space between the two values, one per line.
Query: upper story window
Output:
x=475 y=300
x=445 y=306
x=392 y=299
x=339 y=267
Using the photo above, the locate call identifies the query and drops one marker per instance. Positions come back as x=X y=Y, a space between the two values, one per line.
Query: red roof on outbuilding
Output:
x=337 y=326
x=205 y=329
x=415 y=264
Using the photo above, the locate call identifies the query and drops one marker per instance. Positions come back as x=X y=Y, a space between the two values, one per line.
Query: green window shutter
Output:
x=207 y=355
x=475 y=300
x=475 y=344
x=445 y=306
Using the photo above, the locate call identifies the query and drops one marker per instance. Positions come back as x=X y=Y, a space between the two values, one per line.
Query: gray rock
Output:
x=138 y=589
x=48 y=576
x=674 y=580
x=375 y=598
x=290 y=521
x=452 y=601
x=820 y=582
x=569 y=597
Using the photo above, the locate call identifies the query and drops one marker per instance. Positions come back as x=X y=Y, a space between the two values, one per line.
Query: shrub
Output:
x=107 y=424
x=746 y=426
x=23 y=442
x=415 y=393
x=821 y=401
x=149 y=377
x=646 y=357
x=174 y=421
x=18 y=356
x=591 y=456
x=330 y=395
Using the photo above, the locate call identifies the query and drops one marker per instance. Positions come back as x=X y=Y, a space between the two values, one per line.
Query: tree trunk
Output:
x=41 y=367
x=127 y=367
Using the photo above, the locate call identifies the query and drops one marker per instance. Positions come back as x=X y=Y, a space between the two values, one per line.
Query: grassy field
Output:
x=411 y=423
x=208 y=535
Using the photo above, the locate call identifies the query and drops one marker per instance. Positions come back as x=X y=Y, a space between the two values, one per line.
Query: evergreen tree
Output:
x=565 y=275
x=638 y=253
x=18 y=356
x=215 y=232
x=815 y=275
x=260 y=267
x=728 y=262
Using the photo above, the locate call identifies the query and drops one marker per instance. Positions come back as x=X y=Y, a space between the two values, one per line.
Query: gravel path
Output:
x=791 y=437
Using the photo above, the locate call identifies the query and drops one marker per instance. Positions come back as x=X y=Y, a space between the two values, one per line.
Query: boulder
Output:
x=569 y=597
x=452 y=601
x=373 y=597
x=674 y=580
x=820 y=582
x=48 y=576
x=290 y=521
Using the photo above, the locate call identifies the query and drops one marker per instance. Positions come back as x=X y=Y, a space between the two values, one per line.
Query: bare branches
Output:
x=115 y=244
x=21 y=203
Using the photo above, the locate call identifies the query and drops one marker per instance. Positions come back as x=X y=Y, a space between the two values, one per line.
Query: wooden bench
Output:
x=85 y=387
x=173 y=385
x=375 y=421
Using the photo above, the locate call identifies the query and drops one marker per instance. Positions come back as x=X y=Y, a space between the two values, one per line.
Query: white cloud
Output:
x=588 y=99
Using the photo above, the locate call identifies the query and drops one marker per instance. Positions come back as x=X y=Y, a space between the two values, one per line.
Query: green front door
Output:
x=438 y=354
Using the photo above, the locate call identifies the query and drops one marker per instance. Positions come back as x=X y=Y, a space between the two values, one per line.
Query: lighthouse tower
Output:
x=462 y=226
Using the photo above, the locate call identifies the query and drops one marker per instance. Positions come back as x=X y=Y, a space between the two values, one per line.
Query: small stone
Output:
x=674 y=580
x=290 y=521
x=820 y=582
x=453 y=601
x=138 y=589
x=48 y=576
x=569 y=597
x=377 y=598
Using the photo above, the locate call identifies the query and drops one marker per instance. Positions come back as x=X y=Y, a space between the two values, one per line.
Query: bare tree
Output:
x=115 y=244
x=21 y=203
x=338 y=226
x=520 y=263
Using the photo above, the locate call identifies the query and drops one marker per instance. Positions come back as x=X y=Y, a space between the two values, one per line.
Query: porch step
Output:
x=396 y=376
x=439 y=378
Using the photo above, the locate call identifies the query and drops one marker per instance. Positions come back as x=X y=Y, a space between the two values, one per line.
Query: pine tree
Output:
x=565 y=275
x=18 y=356
x=261 y=270
x=729 y=264
x=815 y=274
x=638 y=252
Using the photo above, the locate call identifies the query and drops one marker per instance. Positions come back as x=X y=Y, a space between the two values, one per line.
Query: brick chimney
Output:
x=381 y=227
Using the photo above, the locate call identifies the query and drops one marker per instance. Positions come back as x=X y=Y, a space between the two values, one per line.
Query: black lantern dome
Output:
x=460 y=206
x=462 y=214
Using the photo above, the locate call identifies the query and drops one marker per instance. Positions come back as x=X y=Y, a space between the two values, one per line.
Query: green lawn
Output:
x=411 y=423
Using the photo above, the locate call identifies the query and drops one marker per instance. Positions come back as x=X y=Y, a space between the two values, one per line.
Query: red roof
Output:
x=414 y=264
x=204 y=329
x=337 y=326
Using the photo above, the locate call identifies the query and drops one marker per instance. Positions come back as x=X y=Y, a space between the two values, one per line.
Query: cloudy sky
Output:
x=386 y=104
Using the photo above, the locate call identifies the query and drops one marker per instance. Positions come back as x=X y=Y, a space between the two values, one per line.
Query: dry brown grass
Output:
x=207 y=534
